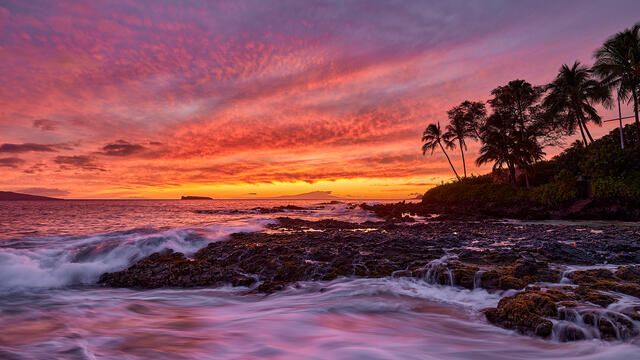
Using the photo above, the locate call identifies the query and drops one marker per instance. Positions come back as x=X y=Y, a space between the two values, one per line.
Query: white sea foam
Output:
x=65 y=261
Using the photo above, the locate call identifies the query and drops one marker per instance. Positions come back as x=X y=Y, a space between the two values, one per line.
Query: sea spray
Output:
x=73 y=260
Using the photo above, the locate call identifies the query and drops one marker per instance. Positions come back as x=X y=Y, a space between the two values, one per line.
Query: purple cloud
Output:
x=26 y=147
x=45 y=124
x=122 y=148
x=11 y=162
x=76 y=161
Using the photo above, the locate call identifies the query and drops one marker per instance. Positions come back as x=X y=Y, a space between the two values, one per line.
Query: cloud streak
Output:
x=26 y=147
x=122 y=148
x=45 y=124
x=11 y=162
x=76 y=161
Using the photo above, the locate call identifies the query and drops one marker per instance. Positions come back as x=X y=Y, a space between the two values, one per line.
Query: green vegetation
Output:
x=522 y=119
x=470 y=188
x=614 y=173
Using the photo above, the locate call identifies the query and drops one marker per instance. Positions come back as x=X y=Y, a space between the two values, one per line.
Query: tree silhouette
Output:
x=516 y=131
x=618 y=66
x=464 y=121
x=571 y=96
x=432 y=138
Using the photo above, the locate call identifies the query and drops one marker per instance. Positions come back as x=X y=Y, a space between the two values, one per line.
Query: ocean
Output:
x=52 y=253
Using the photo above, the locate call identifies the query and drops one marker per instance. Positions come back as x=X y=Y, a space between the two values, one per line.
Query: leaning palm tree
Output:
x=465 y=120
x=458 y=131
x=432 y=138
x=618 y=65
x=572 y=95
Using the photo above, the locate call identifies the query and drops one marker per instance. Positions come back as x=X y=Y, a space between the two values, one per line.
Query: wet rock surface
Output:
x=592 y=209
x=549 y=275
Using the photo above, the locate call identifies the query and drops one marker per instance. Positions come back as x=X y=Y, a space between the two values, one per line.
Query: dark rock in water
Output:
x=603 y=279
x=593 y=296
x=594 y=209
x=556 y=251
x=463 y=275
x=376 y=249
x=519 y=275
x=299 y=224
x=629 y=273
x=495 y=256
x=332 y=202
x=277 y=209
x=527 y=312
x=571 y=333
x=168 y=268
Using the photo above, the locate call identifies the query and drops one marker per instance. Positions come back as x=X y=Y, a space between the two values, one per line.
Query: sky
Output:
x=242 y=99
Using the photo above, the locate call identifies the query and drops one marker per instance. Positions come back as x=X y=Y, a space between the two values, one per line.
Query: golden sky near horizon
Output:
x=242 y=99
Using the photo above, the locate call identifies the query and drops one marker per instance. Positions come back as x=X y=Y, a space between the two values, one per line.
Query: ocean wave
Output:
x=53 y=262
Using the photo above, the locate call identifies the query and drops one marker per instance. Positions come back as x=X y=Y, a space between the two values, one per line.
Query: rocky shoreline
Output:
x=585 y=209
x=549 y=275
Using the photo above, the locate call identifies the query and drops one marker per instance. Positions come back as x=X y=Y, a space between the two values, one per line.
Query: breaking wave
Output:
x=50 y=262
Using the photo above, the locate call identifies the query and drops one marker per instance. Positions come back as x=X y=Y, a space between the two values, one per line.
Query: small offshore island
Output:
x=195 y=198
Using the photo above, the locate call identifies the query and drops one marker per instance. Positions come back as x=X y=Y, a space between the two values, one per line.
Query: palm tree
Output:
x=618 y=65
x=464 y=122
x=496 y=147
x=432 y=138
x=457 y=131
x=516 y=98
x=528 y=152
x=516 y=132
x=473 y=113
x=573 y=94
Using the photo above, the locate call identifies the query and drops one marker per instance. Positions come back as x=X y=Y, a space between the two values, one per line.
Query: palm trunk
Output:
x=584 y=139
x=587 y=131
x=584 y=124
x=449 y=160
x=512 y=174
x=620 y=119
x=464 y=164
x=635 y=109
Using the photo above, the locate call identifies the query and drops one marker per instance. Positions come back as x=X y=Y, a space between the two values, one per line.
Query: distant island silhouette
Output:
x=14 y=196
x=314 y=195
x=196 y=198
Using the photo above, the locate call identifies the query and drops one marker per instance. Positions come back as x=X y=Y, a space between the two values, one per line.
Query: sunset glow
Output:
x=234 y=99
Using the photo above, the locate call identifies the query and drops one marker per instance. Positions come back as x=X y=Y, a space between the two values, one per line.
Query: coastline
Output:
x=585 y=209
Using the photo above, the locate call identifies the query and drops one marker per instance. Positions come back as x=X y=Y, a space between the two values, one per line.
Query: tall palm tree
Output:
x=516 y=98
x=496 y=147
x=432 y=138
x=473 y=113
x=528 y=152
x=458 y=131
x=618 y=65
x=573 y=94
x=516 y=132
